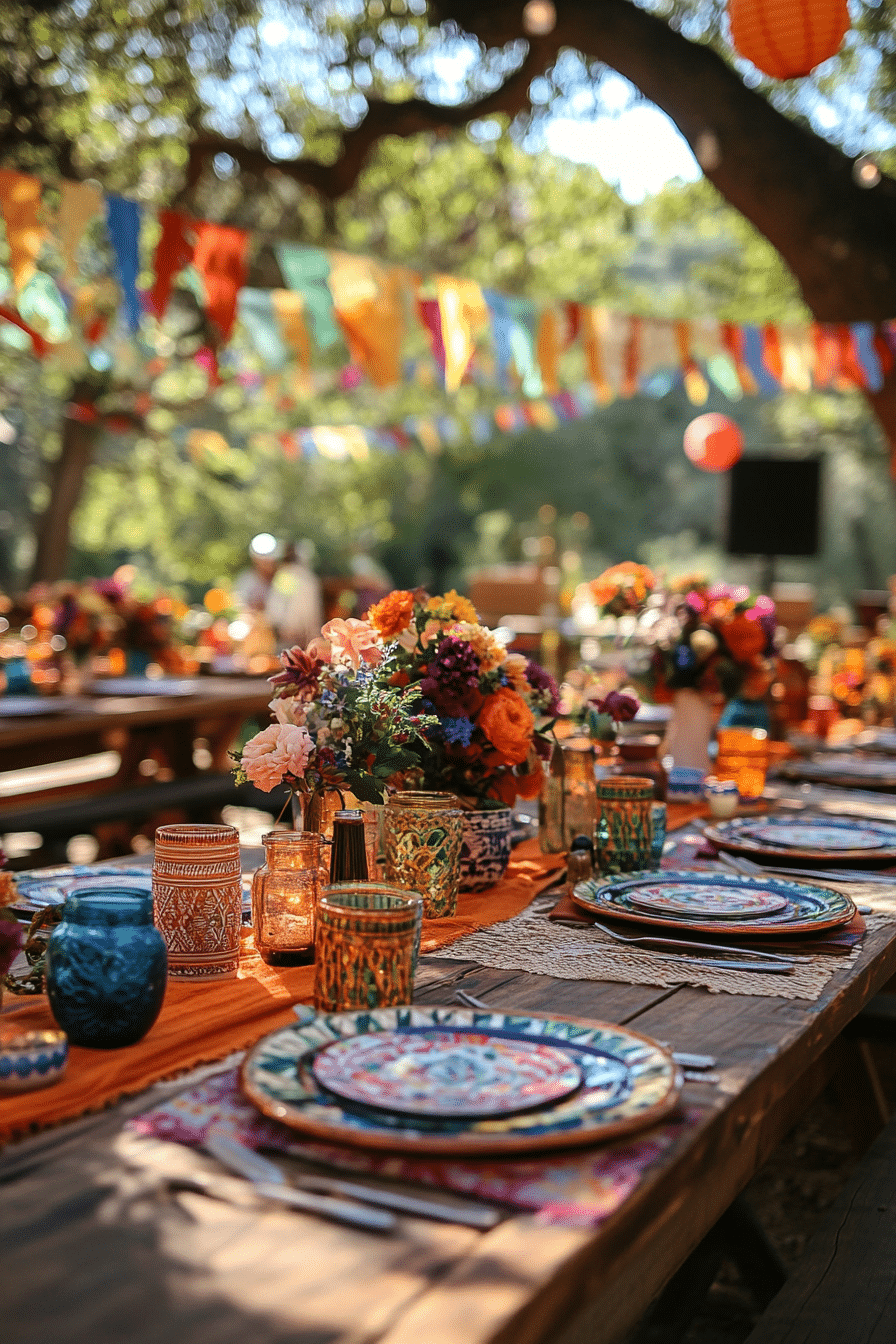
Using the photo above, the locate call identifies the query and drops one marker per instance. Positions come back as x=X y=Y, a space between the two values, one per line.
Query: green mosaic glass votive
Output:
x=364 y=949
x=624 y=828
x=422 y=837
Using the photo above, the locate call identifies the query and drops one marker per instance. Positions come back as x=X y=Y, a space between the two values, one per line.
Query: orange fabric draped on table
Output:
x=206 y=1022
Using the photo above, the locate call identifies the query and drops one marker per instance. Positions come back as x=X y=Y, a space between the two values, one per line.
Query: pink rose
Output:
x=282 y=749
x=356 y=641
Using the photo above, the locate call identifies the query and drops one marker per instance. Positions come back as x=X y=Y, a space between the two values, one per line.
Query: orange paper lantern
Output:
x=713 y=442
x=787 y=38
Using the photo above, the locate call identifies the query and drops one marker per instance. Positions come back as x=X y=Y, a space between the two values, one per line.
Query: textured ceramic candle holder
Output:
x=422 y=834
x=31 y=1060
x=196 y=885
x=623 y=823
x=364 y=953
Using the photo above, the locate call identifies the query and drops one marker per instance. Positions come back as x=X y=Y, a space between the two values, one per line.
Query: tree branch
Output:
x=332 y=181
x=796 y=188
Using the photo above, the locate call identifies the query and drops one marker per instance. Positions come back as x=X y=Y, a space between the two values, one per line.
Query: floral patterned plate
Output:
x=443 y=1072
x=807 y=908
x=707 y=902
x=812 y=838
x=629 y=1083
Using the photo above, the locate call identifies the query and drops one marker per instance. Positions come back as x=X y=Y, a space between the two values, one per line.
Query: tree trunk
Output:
x=67 y=476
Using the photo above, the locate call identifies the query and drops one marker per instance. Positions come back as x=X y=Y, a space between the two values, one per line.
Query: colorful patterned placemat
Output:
x=576 y=1189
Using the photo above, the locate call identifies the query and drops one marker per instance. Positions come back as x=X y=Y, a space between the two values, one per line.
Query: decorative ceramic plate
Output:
x=878 y=772
x=448 y=1073
x=807 y=909
x=813 y=838
x=628 y=1083
x=707 y=902
x=827 y=834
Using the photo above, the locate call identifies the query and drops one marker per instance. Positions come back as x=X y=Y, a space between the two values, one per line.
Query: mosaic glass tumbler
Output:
x=623 y=825
x=364 y=953
x=284 y=898
x=422 y=837
x=197 y=888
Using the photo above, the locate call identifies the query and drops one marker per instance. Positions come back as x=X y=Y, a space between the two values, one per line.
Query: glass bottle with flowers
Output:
x=492 y=713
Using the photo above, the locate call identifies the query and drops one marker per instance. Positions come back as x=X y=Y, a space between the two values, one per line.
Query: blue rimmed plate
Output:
x=628 y=1083
x=815 y=839
x=807 y=908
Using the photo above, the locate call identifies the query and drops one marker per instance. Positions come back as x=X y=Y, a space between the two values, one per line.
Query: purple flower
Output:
x=451 y=682
x=10 y=944
x=544 y=686
x=621 y=708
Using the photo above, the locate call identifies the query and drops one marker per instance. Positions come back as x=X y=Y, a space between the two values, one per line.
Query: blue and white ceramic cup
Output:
x=723 y=797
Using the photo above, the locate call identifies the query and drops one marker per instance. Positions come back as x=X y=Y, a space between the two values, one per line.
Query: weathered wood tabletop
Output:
x=93 y=1250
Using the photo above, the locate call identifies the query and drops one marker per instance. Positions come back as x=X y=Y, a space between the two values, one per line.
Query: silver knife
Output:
x=481 y=1216
x=269 y=1182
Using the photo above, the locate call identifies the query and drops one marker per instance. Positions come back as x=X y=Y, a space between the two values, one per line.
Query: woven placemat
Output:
x=530 y=942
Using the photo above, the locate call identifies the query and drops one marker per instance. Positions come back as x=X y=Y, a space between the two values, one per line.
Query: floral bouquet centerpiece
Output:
x=344 y=721
x=622 y=589
x=714 y=639
x=491 y=710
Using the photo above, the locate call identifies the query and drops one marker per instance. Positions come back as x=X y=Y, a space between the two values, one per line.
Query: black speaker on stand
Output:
x=774 y=508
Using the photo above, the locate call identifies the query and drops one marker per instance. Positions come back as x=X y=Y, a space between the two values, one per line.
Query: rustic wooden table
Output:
x=92 y=1251
x=161 y=727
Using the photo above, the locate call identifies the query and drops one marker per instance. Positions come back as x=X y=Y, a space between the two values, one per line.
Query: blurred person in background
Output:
x=252 y=587
x=294 y=605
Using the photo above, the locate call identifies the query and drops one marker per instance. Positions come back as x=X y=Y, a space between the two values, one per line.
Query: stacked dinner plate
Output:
x=455 y=1081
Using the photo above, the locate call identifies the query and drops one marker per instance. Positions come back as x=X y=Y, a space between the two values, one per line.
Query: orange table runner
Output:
x=206 y=1022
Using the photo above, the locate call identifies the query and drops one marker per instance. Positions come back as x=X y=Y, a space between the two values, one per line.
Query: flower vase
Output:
x=742 y=712
x=485 y=848
x=689 y=731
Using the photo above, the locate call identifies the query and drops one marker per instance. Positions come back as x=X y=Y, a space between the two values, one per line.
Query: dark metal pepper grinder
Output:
x=348 y=857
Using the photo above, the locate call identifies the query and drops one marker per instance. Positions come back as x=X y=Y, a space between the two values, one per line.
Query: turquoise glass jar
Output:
x=107 y=967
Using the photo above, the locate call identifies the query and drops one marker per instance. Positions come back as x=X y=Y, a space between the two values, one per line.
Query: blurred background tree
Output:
x=416 y=133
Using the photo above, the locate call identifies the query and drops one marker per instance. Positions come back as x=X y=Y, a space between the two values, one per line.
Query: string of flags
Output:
x=359 y=320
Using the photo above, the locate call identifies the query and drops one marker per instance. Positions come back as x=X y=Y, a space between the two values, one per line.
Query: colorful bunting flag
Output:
x=20 y=200
x=220 y=258
x=307 y=271
x=174 y=252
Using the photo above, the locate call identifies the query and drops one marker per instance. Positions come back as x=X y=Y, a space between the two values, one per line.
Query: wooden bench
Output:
x=843 y=1291
x=199 y=798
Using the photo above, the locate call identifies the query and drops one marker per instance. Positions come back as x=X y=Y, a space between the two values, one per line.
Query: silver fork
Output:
x=752 y=960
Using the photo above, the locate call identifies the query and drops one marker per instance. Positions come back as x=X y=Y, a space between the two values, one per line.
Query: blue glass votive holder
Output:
x=723 y=797
x=657 y=833
x=107 y=967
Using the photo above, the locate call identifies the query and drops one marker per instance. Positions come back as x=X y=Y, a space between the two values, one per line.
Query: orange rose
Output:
x=393 y=614
x=508 y=723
